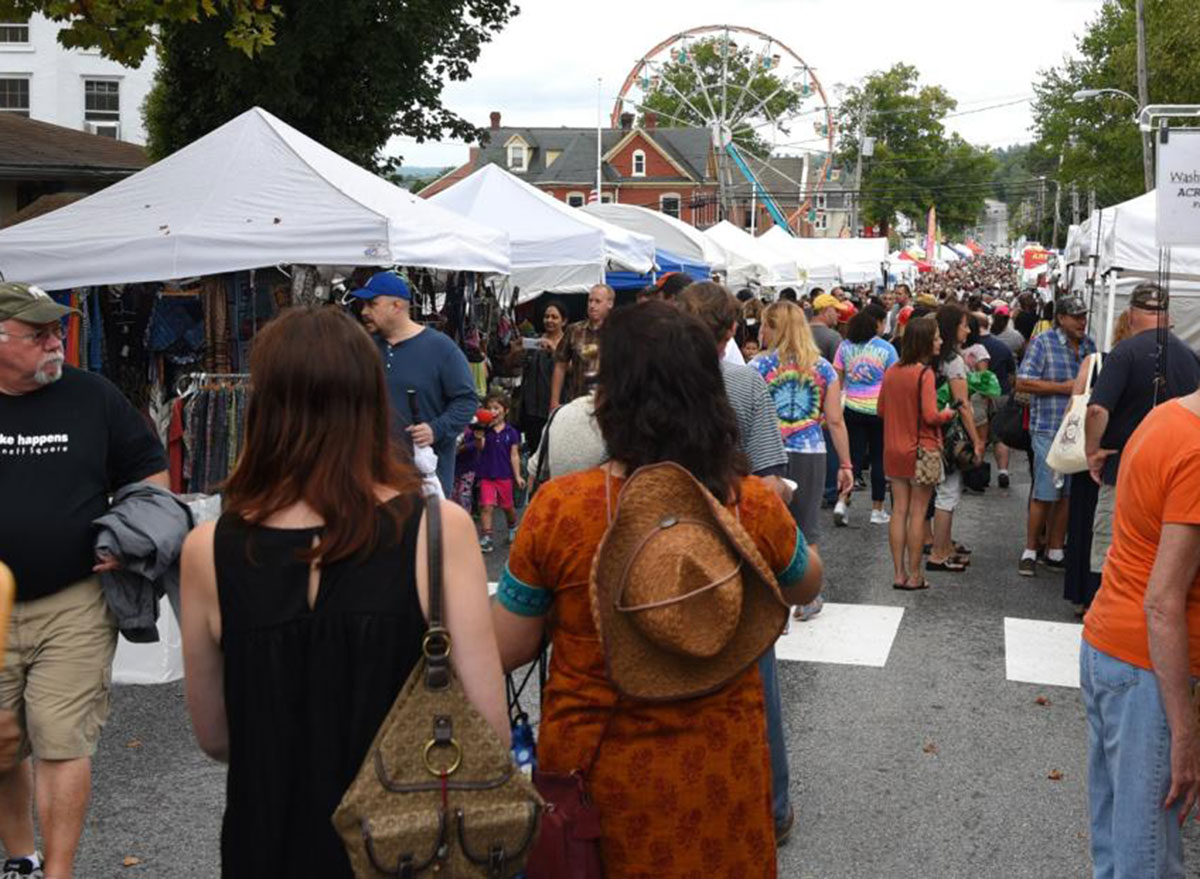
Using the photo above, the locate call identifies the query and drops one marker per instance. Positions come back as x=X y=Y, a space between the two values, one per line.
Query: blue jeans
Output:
x=768 y=671
x=1129 y=771
x=831 y=469
x=1043 y=477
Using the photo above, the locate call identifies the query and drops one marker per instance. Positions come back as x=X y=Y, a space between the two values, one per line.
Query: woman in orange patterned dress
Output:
x=682 y=788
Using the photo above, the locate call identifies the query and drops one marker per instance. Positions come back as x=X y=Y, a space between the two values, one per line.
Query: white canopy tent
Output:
x=253 y=193
x=853 y=260
x=669 y=234
x=553 y=247
x=750 y=261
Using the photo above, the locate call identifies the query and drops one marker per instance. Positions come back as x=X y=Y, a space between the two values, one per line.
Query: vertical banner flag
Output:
x=931 y=236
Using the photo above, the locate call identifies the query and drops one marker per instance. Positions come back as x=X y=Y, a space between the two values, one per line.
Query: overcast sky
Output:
x=542 y=69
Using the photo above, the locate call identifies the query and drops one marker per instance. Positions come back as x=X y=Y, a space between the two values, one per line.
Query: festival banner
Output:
x=931 y=236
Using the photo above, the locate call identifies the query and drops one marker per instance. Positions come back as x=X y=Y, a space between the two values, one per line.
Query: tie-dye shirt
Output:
x=799 y=400
x=863 y=366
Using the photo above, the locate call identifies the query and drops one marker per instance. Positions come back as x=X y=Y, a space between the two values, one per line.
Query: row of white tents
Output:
x=1114 y=250
x=255 y=192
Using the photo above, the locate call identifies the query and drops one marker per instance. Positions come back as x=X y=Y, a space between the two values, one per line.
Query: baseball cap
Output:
x=1001 y=310
x=1149 y=297
x=384 y=284
x=826 y=300
x=30 y=304
x=928 y=300
x=1071 y=305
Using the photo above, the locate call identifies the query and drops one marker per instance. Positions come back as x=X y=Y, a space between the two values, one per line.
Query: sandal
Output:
x=948 y=564
x=964 y=560
x=959 y=549
x=908 y=587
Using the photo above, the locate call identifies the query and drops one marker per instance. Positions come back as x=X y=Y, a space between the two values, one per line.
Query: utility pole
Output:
x=1144 y=94
x=858 y=170
x=1057 y=211
x=1091 y=203
x=1074 y=205
x=1041 y=209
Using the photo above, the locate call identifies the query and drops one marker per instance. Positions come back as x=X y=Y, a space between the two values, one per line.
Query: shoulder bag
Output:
x=1010 y=424
x=437 y=794
x=1067 y=453
x=928 y=470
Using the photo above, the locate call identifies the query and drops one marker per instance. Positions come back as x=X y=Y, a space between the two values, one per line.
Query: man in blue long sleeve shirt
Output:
x=423 y=360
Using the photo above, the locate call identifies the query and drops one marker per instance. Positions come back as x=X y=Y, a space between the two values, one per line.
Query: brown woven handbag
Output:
x=928 y=469
x=438 y=793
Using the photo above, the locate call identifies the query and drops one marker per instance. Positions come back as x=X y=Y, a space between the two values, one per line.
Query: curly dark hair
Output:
x=661 y=396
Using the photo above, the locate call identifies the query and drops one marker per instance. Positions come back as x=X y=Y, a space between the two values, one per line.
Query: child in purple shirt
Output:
x=496 y=468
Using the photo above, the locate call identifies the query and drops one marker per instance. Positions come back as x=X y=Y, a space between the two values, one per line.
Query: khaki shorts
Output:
x=58 y=671
x=1102 y=527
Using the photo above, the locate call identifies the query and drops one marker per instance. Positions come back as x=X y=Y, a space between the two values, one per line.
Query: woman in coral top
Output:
x=911 y=420
x=683 y=788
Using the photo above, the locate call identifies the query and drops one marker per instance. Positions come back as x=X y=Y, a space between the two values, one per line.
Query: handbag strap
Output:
x=1093 y=371
x=436 y=644
x=920 y=403
x=543 y=452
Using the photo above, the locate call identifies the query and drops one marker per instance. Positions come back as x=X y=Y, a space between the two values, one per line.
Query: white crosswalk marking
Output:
x=1042 y=652
x=846 y=634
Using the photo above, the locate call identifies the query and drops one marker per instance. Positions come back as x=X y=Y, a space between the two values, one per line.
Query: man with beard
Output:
x=68 y=440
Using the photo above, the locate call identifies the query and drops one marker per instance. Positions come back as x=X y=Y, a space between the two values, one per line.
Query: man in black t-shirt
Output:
x=68 y=439
x=1124 y=393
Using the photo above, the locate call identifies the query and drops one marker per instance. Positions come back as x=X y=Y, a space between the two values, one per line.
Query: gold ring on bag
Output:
x=439 y=634
x=455 y=763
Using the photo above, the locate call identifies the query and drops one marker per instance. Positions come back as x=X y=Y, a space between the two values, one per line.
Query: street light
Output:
x=1147 y=164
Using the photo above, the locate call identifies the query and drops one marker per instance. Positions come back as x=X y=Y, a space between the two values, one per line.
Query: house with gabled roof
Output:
x=672 y=170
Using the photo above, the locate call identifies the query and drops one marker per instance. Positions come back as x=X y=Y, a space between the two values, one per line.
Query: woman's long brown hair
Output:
x=317 y=431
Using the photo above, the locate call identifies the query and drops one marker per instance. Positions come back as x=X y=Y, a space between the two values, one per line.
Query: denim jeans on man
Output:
x=768 y=671
x=1129 y=771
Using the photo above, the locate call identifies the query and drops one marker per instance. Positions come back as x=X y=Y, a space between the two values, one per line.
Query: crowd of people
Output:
x=680 y=458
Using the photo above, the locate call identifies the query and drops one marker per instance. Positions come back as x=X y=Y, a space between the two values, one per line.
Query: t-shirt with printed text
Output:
x=799 y=399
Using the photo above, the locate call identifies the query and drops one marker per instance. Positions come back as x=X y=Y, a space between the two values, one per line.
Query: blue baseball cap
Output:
x=384 y=284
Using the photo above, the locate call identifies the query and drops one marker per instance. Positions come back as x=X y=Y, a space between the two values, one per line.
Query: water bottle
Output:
x=524 y=750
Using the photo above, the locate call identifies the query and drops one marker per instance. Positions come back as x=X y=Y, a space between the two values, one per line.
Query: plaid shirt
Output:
x=1051 y=358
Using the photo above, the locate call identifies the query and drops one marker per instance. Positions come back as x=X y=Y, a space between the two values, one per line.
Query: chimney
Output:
x=495 y=120
x=649 y=119
x=626 y=121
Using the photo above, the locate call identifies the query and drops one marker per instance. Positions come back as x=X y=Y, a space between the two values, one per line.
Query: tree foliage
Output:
x=915 y=165
x=688 y=91
x=123 y=30
x=1099 y=146
x=350 y=74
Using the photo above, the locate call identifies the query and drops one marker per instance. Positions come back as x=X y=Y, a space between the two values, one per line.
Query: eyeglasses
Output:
x=40 y=337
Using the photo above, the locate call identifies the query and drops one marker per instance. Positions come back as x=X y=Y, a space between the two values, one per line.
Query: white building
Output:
x=70 y=87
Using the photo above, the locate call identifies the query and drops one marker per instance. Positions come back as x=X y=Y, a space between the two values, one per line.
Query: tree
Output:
x=123 y=30
x=350 y=74
x=915 y=165
x=688 y=91
x=1094 y=143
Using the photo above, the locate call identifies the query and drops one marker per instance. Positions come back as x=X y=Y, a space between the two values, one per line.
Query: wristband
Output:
x=849 y=467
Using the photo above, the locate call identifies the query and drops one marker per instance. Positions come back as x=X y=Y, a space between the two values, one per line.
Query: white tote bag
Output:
x=1067 y=454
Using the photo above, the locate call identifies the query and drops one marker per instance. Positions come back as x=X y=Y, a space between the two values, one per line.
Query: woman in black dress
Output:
x=536 y=373
x=304 y=605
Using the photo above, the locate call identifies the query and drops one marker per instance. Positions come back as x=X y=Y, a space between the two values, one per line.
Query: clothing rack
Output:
x=188 y=383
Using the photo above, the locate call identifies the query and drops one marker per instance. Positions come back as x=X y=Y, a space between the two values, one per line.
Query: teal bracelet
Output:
x=796 y=568
x=521 y=598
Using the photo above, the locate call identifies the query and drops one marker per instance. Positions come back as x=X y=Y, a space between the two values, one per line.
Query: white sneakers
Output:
x=839 y=513
x=880 y=517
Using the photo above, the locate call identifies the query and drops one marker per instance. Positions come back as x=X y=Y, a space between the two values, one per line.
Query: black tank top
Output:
x=306 y=689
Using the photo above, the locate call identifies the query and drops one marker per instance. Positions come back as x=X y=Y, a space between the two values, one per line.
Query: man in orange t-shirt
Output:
x=1141 y=653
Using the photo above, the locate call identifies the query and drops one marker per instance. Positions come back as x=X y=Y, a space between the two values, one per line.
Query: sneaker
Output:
x=810 y=610
x=1002 y=479
x=880 y=517
x=1051 y=565
x=20 y=868
x=1027 y=567
x=485 y=545
x=839 y=514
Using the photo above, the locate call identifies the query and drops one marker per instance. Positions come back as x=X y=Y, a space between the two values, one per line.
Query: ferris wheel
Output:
x=753 y=93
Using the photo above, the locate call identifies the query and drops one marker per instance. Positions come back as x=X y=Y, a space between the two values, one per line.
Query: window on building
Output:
x=606 y=199
x=639 y=163
x=552 y=157
x=575 y=199
x=102 y=107
x=14 y=32
x=669 y=205
x=821 y=223
x=822 y=201
x=14 y=96
x=516 y=157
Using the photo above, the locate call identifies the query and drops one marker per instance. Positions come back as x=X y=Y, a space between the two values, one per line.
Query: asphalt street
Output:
x=933 y=765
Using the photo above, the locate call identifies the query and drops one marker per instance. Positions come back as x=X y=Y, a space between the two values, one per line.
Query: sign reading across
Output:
x=1178 y=186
